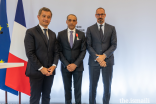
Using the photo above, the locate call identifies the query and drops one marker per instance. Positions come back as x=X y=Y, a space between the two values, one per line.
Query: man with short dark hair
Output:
x=72 y=50
x=101 y=44
x=42 y=52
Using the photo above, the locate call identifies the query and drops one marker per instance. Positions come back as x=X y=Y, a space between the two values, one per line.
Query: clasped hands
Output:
x=100 y=59
x=48 y=71
x=71 y=67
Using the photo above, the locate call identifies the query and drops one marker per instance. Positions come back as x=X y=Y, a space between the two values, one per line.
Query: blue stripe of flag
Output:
x=4 y=45
x=20 y=18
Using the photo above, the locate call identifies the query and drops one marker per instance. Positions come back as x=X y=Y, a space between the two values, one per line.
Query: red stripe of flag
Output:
x=16 y=78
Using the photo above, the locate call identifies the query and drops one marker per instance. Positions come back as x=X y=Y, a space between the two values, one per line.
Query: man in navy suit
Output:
x=72 y=48
x=42 y=52
x=101 y=44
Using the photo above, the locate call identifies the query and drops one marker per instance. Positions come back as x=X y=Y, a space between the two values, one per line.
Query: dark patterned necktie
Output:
x=71 y=39
x=101 y=32
x=45 y=33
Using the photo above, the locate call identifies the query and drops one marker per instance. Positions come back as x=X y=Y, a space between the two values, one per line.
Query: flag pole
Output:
x=6 y=99
x=19 y=97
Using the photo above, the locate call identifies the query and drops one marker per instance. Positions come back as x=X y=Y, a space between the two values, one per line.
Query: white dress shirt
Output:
x=43 y=30
x=103 y=27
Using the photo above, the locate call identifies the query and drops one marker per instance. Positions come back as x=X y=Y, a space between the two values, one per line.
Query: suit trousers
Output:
x=94 y=73
x=67 y=80
x=41 y=85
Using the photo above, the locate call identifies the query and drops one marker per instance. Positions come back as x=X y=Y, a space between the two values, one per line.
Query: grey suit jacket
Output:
x=70 y=55
x=97 y=46
x=39 y=52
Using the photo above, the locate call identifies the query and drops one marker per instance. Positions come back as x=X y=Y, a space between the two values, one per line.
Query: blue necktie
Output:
x=45 y=33
x=71 y=39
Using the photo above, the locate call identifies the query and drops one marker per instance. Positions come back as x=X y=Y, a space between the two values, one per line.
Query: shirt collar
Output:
x=71 y=30
x=100 y=24
x=43 y=27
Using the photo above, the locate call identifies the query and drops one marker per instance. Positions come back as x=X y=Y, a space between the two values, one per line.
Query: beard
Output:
x=100 y=20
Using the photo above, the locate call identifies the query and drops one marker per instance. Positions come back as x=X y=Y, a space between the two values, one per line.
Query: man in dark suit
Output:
x=72 y=48
x=101 y=44
x=42 y=52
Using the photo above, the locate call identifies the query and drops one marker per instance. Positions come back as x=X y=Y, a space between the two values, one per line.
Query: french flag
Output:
x=15 y=77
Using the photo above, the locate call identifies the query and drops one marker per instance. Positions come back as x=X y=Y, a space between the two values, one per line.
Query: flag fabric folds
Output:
x=4 y=46
x=15 y=77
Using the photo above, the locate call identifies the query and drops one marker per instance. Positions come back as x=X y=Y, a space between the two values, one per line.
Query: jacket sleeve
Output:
x=56 y=52
x=89 y=44
x=113 y=46
x=30 y=49
x=62 y=58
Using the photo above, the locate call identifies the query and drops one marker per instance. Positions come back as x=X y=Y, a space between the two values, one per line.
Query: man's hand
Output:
x=71 y=67
x=68 y=68
x=51 y=69
x=100 y=58
x=103 y=64
x=44 y=71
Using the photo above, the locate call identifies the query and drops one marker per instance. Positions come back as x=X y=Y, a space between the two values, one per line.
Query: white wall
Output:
x=134 y=69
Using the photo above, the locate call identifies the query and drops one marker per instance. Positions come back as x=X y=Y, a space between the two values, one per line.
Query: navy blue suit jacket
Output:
x=70 y=55
x=39 y=52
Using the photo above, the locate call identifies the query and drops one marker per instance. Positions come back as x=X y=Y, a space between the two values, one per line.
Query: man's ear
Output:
x=66 y=21
x=38 y=16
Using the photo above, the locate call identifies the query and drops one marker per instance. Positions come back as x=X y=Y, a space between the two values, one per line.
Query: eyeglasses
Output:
x=100 y=14
x=71 y=20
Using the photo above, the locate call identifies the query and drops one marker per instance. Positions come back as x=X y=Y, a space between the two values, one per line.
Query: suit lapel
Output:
x=97 y=31
x=105 y=31
x=50 y=38
x=66 y=38
x=75 y=40
x=42 y=35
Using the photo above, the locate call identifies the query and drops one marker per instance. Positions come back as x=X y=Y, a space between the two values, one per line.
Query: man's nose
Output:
x=46 y=18
x=71 y=22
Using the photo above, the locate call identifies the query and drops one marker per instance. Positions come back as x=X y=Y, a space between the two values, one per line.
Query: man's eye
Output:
x=49 y=17
x=71 y=20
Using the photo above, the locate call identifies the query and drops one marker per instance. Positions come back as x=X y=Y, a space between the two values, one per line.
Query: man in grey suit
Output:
x=101 y=44
x=72 y=48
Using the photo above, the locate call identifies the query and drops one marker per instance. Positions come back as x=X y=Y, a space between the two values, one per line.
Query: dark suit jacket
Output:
x=96 y=46
x=70 y=55
x=39 y=52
